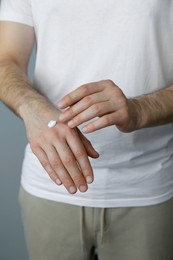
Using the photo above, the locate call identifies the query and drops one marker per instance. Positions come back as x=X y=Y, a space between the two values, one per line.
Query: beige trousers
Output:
x=57 y=231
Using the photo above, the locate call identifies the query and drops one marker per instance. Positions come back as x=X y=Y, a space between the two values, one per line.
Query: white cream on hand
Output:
x=52 y=123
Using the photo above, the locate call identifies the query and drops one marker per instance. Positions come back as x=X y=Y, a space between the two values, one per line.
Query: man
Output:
x=104 y=69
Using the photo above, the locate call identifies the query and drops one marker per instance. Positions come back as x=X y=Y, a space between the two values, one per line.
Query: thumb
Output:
x=88 y=146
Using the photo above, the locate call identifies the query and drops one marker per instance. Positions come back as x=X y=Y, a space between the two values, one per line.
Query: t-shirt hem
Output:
x=14 y=17
x=134 y=202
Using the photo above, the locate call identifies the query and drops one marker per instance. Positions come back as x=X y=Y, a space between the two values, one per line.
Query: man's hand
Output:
x=102 y=101
x=62 y=151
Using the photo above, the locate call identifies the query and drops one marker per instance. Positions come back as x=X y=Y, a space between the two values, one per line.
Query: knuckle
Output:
x=67 y=181
x=110 y=82
x=68 y=161
x=52 y=175
x=34 y=148
x=52 y=134
x=55 y=164
x=96 y=108
x=88 y=100
x=45 y=164
x=79 y=119
x=122 y=102
x=120 y=93
x=67 y=131
x=68 y=99
x=79 y=154
x=40 y=139
x=107 y=120
x=71 y=132
x=84 y=89
x=87 y=171
x=78 y=180
x=70 y=112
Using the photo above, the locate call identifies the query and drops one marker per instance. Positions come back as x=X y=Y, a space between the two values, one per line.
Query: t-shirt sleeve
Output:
x=16 y=11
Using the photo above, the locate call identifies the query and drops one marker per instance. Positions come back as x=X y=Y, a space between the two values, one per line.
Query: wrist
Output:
x=135 y=112
x=39 y=109
x=154 y=109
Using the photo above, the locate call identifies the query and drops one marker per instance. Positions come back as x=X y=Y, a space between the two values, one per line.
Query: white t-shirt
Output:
x=129 y=42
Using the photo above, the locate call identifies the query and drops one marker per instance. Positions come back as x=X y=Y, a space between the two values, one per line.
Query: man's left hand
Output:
x=102 y=101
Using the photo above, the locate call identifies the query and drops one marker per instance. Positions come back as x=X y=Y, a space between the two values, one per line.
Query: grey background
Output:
x=12 y=145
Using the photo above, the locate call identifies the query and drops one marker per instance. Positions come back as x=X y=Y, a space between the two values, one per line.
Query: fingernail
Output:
x=84 y=129
x=72 y=189
x=61 y=117
x=70 y=123
x=60 y=104
x=89 y=179
x=58 y=182
x=83 y=188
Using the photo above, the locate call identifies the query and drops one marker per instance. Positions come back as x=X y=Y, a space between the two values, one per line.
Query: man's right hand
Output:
x=62 y=151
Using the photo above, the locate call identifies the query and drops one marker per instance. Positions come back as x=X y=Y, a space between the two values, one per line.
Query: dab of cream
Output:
x=52 y=123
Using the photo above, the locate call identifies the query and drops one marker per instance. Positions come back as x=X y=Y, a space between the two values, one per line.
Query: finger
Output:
x=58 y=166
x=100 y=123
x=88 y=146
x=82 y=105
x=96 y=110
x=81 y=156
x=79 y=93
x=41 y=155
x=71 y=164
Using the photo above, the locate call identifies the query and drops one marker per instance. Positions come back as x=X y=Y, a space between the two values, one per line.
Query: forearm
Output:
x=154 y=109
x=18 y=93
